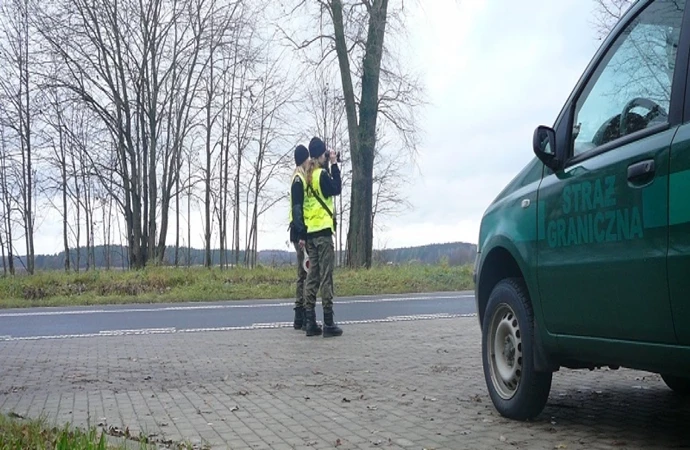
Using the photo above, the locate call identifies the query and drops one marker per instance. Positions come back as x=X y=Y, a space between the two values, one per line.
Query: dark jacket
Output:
x=298 y=230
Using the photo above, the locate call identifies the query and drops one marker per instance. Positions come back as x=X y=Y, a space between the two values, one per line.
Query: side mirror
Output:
x=544 y=146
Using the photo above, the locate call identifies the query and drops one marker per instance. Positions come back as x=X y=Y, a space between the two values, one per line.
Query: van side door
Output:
x=602 y=263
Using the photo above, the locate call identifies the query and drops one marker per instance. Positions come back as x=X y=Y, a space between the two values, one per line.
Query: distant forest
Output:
x=456 y=253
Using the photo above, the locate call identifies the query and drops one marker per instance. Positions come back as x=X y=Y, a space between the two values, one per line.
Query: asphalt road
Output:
x=57 y=323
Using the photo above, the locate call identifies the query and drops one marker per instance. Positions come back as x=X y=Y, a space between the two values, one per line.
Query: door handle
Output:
x=641 y=172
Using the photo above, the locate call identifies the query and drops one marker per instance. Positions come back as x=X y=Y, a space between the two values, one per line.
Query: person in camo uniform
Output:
x=319 y=207
x=298 y=230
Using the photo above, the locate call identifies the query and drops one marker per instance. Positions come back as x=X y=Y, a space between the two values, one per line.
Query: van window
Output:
x=631 y=88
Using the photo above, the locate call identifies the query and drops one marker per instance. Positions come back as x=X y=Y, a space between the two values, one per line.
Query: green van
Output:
x=581 y=258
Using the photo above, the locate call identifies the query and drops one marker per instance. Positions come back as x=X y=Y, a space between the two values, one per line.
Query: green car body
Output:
x=595 y=230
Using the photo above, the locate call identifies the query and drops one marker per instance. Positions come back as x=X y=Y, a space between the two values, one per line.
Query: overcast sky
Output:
x=493 y=71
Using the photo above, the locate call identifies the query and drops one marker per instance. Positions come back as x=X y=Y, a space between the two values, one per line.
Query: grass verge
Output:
x=158 y=284
x=36 y=435
x=17 y=432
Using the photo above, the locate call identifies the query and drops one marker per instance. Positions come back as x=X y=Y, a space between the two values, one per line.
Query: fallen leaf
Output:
x=115 y=431
x=234 y=408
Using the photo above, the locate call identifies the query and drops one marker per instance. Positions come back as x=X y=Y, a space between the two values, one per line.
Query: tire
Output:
x=679 y=385
x=517 y=391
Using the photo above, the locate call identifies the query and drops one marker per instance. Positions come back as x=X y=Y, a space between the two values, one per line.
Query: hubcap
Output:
x=505 y=351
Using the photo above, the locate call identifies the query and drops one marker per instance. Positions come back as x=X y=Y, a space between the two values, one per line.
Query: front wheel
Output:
x=516 y=389
x=680 y=385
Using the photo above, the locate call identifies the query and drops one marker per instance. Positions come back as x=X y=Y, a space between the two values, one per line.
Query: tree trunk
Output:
x=189 y=210
x=7 y=203
x=2 y=249
x=87 y=214
x=207 y=188
x=363 y=134
x=177 y=216
x=77 y=205
x=29 y=166
x=63 y=170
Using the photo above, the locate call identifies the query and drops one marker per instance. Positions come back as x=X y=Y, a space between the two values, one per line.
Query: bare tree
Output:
x=16 y=95
x=373 y=84
x=7 y=202
x=211 y=117
x=388 y=182
x=138 y=67
x=245 y=102
x=270 y=121
x=59 y=160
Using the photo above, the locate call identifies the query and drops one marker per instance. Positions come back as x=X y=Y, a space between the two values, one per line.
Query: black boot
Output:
x=330 y=329
x=312 y=328
x=299 y=318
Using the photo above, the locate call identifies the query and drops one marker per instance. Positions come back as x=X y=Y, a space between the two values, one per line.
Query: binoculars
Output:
x=328 y=156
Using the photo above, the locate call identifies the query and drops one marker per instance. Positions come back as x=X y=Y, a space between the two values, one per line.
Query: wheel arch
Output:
x=499 y=263
x=502 y=261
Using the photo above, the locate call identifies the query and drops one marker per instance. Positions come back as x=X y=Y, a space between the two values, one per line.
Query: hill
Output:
x=454 y=253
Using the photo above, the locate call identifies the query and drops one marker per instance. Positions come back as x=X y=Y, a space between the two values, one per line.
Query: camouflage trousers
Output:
x=322 y=259
x=301 y=277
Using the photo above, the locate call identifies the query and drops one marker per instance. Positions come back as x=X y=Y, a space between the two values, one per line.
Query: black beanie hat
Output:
x=301 y=155
x=316 y=147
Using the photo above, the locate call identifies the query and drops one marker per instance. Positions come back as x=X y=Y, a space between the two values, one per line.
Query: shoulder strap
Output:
x=319 y=200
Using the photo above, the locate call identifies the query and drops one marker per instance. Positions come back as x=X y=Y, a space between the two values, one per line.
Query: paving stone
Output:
x=416 y=384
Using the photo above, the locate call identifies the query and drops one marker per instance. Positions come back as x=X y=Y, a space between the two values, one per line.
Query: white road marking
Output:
x=224 y=306
x=256 y=326
x=138 y=331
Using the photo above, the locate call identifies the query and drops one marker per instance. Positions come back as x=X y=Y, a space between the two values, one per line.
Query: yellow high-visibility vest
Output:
x=304 y=188
x=316 y=218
